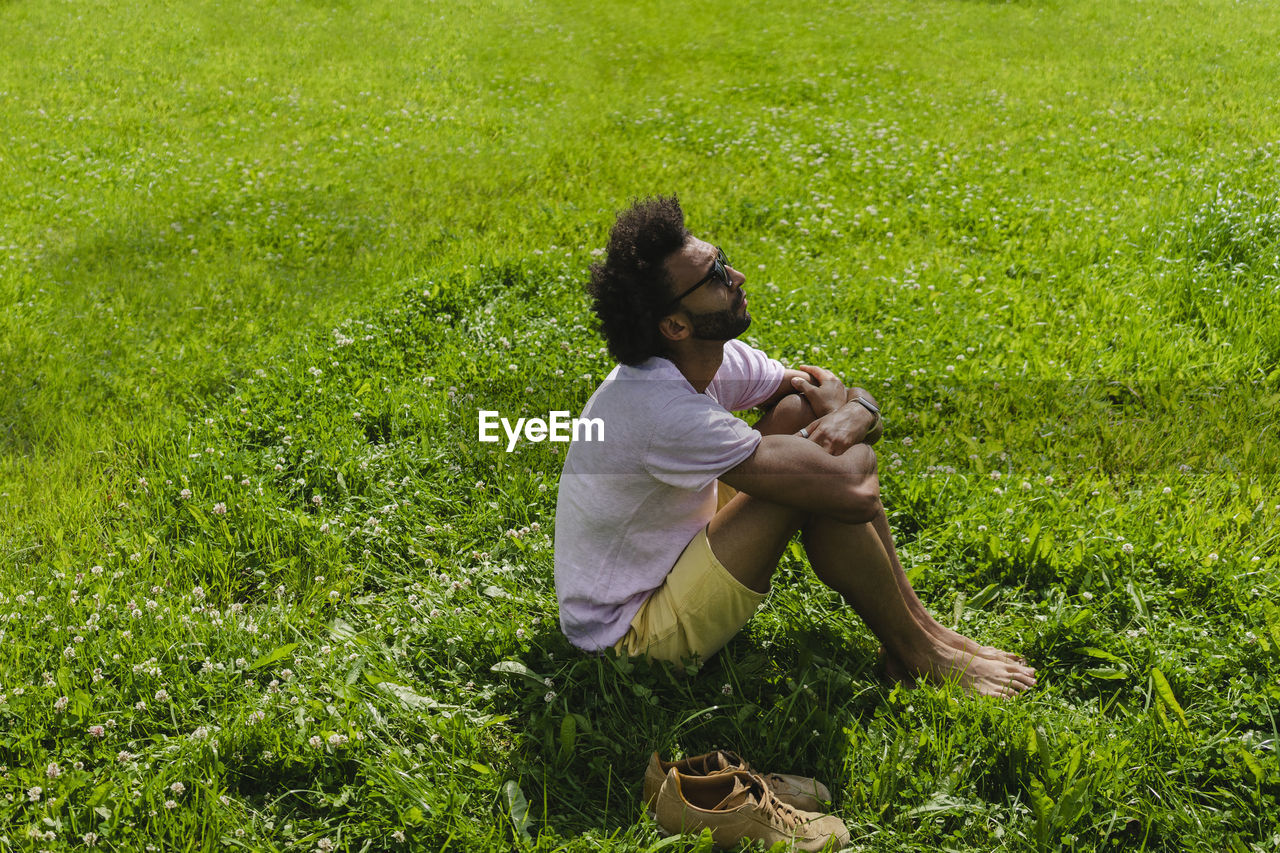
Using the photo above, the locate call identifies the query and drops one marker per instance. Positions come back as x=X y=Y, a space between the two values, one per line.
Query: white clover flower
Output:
x=220 y=508
x=60 y=703
x=35 y=793
x=178 y=788
x=315 y=741
x=185 y=494
x=53 y=771
x=1127 y=547
x=97 y=731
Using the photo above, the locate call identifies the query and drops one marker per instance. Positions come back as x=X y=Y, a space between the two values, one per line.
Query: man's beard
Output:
x=719 y=325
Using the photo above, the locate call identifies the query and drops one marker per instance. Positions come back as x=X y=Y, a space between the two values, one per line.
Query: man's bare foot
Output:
x=958 y=641
x=944 y=664
x=961 y=643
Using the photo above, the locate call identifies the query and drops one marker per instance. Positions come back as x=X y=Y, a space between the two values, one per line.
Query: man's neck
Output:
x=698 y=361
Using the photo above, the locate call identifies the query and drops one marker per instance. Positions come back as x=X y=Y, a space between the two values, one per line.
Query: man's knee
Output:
x=791 y=413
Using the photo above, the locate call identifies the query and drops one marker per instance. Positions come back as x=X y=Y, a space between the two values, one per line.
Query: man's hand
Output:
x=852 y=423
x=841 y=421
x=825 y=392
x=849 y=425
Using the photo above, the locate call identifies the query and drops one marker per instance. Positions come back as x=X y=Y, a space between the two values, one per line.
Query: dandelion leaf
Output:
x=273 y=656
x=1165 y=692
x=517 y=808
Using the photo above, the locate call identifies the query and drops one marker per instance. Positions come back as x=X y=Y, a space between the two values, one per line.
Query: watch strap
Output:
x=868 y=405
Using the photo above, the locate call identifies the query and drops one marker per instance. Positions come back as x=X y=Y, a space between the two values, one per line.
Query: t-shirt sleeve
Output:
x=695 y=441
x=746 y=378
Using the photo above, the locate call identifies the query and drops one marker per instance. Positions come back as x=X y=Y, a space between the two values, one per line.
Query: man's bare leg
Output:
x=850 y=557
x=917 y=607
x=748 y=536
x=788 y=417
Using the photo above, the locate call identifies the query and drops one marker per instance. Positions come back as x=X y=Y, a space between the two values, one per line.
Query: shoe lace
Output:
x=780 y=814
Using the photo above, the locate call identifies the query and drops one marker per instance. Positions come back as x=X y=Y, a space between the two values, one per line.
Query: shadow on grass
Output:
x=591 y=722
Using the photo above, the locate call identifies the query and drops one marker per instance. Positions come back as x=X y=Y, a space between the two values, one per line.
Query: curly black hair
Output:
x=629 y=290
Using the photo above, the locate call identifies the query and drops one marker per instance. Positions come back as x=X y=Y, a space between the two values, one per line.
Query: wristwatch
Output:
x=870 y=406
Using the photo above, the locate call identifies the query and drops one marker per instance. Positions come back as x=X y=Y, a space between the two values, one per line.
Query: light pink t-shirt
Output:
x=629 y=504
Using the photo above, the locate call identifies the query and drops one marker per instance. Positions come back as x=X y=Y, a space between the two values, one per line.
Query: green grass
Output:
x=279 y=255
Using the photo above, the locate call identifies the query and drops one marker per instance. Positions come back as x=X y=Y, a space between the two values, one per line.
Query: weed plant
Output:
x=262 y=265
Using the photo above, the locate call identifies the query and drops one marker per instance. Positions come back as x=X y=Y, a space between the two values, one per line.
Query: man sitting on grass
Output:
x=669 y=529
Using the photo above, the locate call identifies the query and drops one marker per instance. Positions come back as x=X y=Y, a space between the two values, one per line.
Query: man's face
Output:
x=716 y=311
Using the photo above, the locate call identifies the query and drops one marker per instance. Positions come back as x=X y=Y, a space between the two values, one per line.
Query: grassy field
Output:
x=262 y=264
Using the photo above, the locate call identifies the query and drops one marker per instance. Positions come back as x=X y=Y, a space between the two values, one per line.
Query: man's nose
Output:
x=736 y=278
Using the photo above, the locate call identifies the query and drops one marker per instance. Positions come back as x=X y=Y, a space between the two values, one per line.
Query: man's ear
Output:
x=674 y=328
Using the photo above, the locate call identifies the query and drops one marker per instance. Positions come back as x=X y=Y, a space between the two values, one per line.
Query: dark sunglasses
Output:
x=719 y=269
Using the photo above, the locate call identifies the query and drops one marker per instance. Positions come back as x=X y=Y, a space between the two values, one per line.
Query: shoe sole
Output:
x=653 y=816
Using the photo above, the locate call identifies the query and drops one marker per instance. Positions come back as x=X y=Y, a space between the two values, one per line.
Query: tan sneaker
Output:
x=737 y=806
x=798 y=791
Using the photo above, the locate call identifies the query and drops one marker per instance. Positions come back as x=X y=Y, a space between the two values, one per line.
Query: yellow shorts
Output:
x=698 y=608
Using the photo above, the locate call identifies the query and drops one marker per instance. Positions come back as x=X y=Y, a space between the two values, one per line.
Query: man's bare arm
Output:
x=796 y=472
